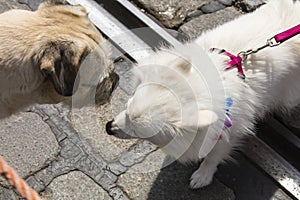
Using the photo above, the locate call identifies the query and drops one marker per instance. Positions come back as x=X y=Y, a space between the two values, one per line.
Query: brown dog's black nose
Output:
x=108 y=128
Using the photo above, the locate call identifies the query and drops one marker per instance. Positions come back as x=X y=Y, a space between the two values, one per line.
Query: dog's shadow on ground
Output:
x=240 y=181
x=172 y=183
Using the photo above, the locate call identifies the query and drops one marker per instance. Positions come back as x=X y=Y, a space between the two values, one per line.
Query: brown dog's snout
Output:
x=116 y=79
x=108 y=128
x=106 y=87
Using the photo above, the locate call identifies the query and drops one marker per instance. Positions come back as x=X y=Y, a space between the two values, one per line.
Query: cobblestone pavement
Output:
x=67 y=155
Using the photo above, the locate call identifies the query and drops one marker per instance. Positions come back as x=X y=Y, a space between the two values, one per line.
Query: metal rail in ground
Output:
x=114 y=29
x=121 y=21
x=126 y=26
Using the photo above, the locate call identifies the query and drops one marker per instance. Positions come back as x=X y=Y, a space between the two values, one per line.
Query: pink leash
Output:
x=236 y=61
x=285 y=35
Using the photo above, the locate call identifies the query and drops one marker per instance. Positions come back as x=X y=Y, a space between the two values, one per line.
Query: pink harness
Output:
x=236 y=61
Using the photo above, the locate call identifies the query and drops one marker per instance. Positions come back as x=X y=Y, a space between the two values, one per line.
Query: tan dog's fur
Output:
x=36 y=47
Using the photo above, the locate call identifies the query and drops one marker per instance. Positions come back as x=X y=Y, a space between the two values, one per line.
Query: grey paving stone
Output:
x=118 y=194
x=226 y=2
x=117 y=168
x=154 y=161
x=44 y=177
x=178 y=35
x=170 y=12
x=7 y=194
x=4 y=183
x=192 y=14
x=87 y=165
x=12 y=4
x=137 y=153
x=35 y=184
x=27 y=142
x=248 y=5
x=212 y=7
x=33 y=4
x=74 y=186
x=206 y=22
x=107 y=180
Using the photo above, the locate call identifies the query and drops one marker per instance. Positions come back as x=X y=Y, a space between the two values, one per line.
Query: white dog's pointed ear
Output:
x=206 y=118
x=181 y=64
x=131 y=80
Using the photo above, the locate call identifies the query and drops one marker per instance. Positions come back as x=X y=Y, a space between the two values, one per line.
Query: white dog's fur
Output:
x=272 y=82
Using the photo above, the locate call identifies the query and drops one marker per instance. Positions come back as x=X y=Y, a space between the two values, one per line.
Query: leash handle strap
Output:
x=285 y=35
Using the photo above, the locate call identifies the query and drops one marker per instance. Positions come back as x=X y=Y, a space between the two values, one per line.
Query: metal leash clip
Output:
x=272 y=42
x=244 y=54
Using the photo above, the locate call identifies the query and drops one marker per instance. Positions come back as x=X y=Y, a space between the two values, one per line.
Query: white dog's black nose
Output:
x=108 y=128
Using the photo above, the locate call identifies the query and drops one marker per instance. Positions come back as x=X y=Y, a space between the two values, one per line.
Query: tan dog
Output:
x=48 y=44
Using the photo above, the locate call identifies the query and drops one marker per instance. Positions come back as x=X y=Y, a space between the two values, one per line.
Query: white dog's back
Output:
x=273 y=72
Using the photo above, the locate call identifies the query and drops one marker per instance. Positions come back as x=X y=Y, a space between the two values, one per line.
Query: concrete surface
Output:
x=74 y=186
x=196 y=26
x=248 y=5
x=13 y=4
x=67 y=155
x=27 y=142
x=174 y=13
x=171 y=13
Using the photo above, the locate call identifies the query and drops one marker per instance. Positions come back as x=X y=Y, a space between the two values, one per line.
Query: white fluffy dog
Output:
x=174 y=107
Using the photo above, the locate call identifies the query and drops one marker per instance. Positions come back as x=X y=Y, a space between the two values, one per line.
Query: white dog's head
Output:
x=170 y=104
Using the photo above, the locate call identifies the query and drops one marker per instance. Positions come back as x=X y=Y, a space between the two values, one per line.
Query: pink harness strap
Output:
x=235 y=61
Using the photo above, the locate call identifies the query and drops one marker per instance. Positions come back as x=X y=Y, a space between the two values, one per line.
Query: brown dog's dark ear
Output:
x=51 y=57
x=61 y=63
